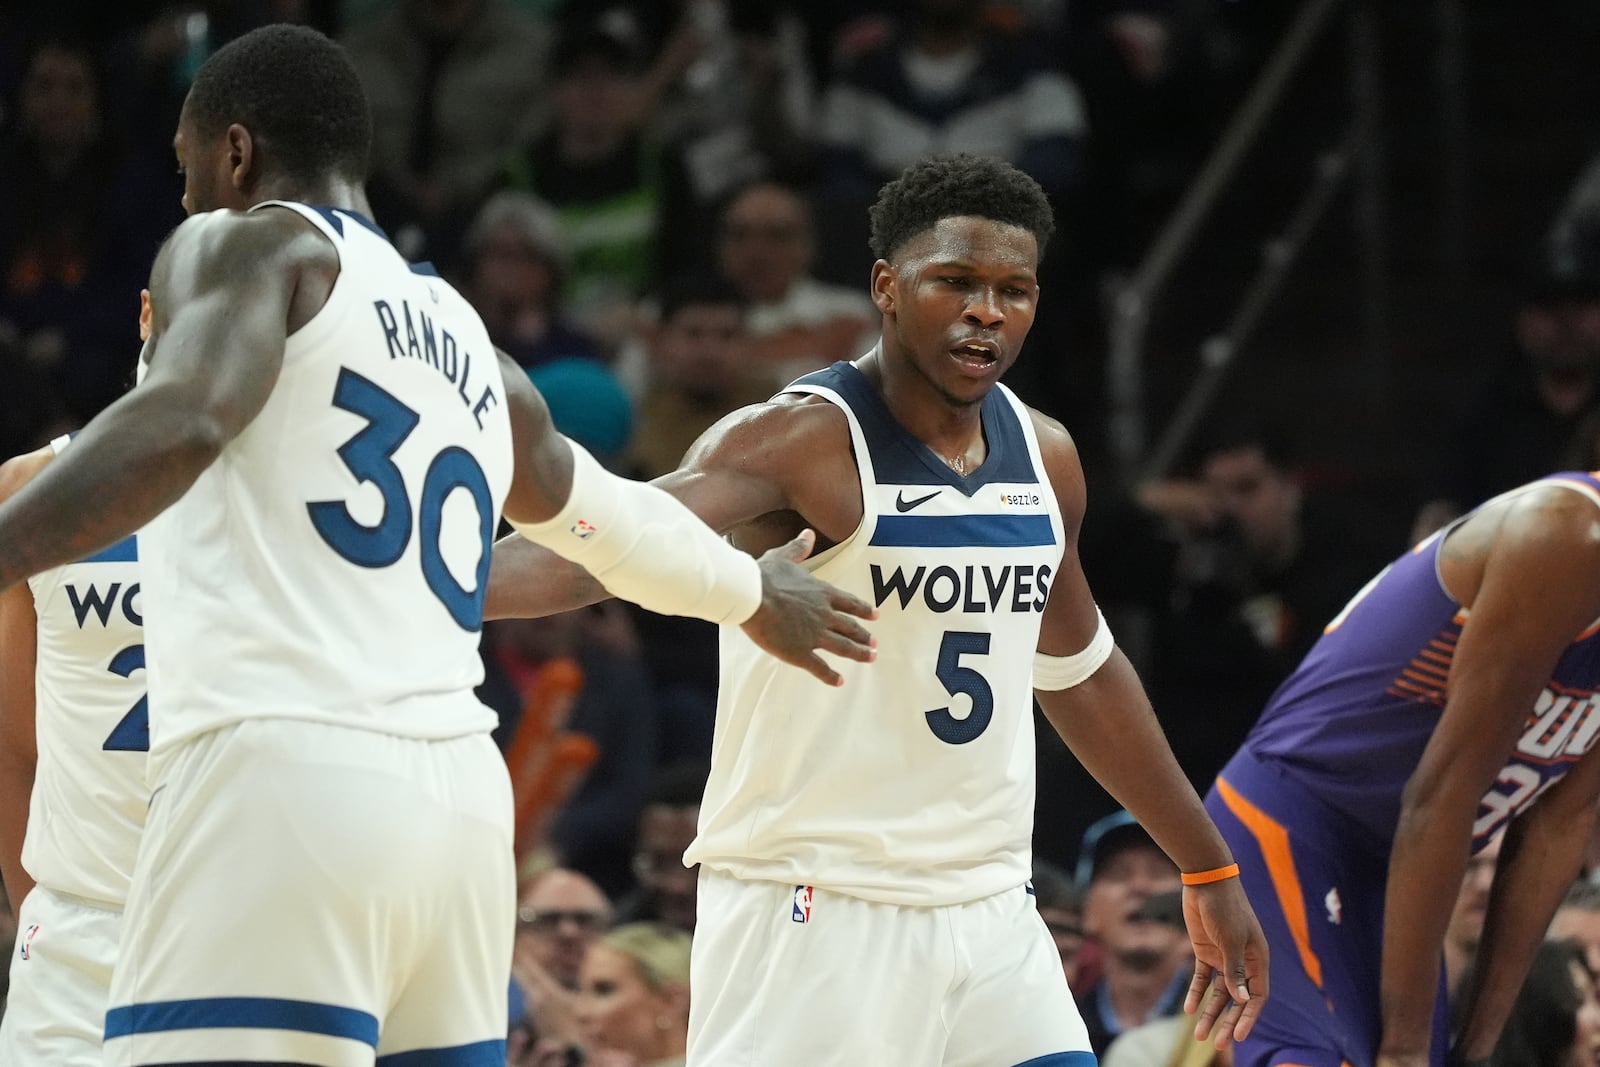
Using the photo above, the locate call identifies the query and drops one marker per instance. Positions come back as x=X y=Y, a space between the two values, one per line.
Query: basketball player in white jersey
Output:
x=315 y=460
x=865 y=855
x=74 y=733
x=74 y=730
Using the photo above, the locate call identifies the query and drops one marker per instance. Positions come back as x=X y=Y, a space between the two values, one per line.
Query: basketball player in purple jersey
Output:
x=1453 y=696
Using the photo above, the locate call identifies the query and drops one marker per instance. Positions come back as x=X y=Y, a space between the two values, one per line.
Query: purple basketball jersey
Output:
x=1353 y=719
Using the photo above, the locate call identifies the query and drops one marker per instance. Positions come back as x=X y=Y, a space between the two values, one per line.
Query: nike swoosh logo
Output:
x=902 y=504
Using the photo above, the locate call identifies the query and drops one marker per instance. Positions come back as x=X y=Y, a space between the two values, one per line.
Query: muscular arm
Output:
x=645 y=545
x=1109 y=725
x=1540 y=586
x=221 y=289
x=732 y=475
x=1541 y=856
x=18 y=741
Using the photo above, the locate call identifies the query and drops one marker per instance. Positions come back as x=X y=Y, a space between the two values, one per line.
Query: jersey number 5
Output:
x=370 y=457
x=958 y=679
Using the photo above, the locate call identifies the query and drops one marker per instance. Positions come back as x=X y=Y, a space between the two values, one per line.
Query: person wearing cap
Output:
x=1144 y=960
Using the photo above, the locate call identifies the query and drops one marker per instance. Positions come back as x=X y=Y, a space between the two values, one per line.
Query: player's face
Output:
x=617 y=1010
x=960 y=299
x=208 y=165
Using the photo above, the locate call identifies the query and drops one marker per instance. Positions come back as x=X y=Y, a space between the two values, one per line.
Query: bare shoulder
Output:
x=18 y=471
x=1061 y=461
x=1546 y=536
x=793 y=432
x=237 y=250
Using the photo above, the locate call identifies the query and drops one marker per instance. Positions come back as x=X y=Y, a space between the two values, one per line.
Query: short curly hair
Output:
x=942 y=187
x=294 y=88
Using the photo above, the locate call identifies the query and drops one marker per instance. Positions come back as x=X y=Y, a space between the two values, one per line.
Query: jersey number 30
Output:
x=370 y=457
x=958 y=679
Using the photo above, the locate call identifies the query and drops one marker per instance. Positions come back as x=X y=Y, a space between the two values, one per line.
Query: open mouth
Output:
x=976 y=355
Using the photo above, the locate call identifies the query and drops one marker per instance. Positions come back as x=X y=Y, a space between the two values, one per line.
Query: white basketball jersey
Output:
x=331 y=564
x=914 y=782
x=89 y=795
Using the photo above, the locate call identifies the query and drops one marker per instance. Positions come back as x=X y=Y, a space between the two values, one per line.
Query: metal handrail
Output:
x=1217 y=352
x=1132 y=306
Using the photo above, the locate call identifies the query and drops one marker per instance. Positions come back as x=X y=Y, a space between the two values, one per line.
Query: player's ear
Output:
x=885 y=281
x=241 y=157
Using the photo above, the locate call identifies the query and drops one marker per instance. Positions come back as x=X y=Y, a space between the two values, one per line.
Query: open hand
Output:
x=1229 y=987
x=801 y=614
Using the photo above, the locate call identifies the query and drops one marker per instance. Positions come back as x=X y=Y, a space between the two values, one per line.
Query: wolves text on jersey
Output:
x=437 y=348
x=1018 y=587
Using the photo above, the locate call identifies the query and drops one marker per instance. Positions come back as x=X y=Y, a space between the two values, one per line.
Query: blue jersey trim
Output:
x=478 y=1054
x=899 y=458
x=244 y=1013
x=124 y=551
x=963 y=531
x=1061 y=1059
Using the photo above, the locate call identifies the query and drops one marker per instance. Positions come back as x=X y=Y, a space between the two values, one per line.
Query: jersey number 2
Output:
x=369 y=455
x=958 y=679
x=132 y=732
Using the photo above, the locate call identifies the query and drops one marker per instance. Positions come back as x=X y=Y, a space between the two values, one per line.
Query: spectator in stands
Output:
x=618 y=193
x=633 y=1003
x=589 y=405
x=666 y=889
x=451 y=82
x=515 y=261
x=1471 y=908
x=561 y=914
x=84 y=214
x=1060 y=904
x=1520 y=422
x=1166 y=1041
x=1578 y=920
x=946 y=82
x=700 y=368
x=766 y=247
x=1238 y=569
x=1556 y=1019
x=1145 y=960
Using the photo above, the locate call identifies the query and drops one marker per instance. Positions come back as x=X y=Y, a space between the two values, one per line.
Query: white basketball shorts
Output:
x=60 y=979
x=313 y=894
x=797 y=976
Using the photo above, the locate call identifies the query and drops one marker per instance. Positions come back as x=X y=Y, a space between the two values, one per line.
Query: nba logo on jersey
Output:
x=27 y=940
x=802 y=904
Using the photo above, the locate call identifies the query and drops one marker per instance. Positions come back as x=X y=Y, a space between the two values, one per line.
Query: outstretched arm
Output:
x=640 y=542
x=1107 y=722
x=221 y=289
x=1540 y=586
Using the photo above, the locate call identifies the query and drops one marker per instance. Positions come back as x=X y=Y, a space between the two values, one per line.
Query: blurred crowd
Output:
x=659 y=209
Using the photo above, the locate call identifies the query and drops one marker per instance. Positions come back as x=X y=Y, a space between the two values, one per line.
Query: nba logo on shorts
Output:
x=802 y=904
x=27 y=939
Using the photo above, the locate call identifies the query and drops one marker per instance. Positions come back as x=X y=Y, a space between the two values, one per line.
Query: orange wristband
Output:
x=1215 y=874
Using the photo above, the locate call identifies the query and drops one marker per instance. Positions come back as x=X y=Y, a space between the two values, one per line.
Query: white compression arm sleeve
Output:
x=646 y=547
x=1064 y=672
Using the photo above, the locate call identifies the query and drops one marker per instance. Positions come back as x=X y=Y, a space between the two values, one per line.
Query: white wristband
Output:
x=646 y=547
x=1064 y=672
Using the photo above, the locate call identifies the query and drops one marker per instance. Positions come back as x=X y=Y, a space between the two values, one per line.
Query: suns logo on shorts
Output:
x=27 y=940
x=802 y=904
